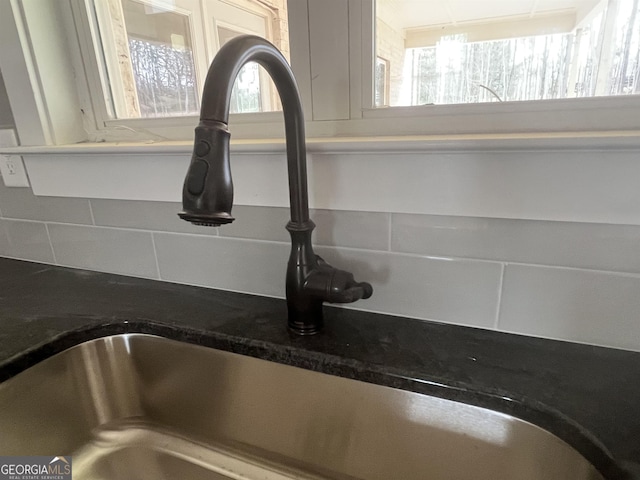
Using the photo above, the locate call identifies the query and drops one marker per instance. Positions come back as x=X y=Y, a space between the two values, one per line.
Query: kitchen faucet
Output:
x=207 y=196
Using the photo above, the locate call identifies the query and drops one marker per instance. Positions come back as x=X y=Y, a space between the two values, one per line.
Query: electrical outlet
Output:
x=11 y=166
x=13 y=172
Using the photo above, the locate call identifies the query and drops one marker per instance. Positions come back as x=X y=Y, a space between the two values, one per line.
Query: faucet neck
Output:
x=216 y=99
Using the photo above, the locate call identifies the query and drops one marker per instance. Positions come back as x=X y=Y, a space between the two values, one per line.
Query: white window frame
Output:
x=108 y=129
x=340 y=103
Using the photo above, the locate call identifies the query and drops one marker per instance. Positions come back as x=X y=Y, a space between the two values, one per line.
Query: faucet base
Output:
x=307 y=322
x=305 y=331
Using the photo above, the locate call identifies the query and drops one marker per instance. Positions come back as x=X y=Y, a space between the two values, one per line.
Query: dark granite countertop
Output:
x=589 y=396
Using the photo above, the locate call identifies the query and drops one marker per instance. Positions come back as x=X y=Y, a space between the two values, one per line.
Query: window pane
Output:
x=247 y=93
x=156 y=53
x=161 y=59
x=454 y=51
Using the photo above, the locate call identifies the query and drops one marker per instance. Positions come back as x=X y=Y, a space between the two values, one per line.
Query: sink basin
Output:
x=144 y=407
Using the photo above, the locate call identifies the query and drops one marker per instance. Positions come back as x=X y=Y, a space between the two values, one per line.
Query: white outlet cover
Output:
x=13 y=171
x=12 y=166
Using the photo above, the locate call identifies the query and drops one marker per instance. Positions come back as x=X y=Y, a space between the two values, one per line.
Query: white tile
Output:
x=20 y=203
x=455 y=291
x=25 y=240
x=227 y=263
x=583 y=245
x=111 y=250
x=369 y=230
x=570 y=304
x=158 y=216
x=263 y=223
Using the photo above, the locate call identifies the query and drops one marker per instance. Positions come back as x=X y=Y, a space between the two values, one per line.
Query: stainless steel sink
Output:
x=144 y=407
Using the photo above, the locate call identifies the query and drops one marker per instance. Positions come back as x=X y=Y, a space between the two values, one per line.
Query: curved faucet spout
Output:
x=207 y=195
x=216 y=98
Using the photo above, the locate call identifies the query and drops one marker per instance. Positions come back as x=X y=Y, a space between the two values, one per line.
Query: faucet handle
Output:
x=356 y=292
x=336 y=286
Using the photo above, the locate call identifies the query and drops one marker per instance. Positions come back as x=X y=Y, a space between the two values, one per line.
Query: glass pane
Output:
x=253 y=90
x=162 y=63
x=246 y=95
x=454 y=51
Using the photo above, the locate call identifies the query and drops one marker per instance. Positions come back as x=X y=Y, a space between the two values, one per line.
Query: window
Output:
x=363 y=67
x=453 y=52
x=155 y=53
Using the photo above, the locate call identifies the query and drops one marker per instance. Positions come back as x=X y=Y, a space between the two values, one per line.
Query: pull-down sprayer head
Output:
x=207 y=195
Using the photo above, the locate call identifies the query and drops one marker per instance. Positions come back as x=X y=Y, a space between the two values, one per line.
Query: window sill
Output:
x=389 y=144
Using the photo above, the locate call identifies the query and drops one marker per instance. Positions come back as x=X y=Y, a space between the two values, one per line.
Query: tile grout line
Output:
x=503 y=270
x=155 y=255
x=93 y=219
x=53 y=252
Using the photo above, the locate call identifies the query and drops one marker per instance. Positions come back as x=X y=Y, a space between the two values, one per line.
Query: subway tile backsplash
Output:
x=367 y=230
x=582 y=245
x=264 y=223
x=464 y=292
x=230 y=264
x=571 y=304
x=570 y=281
x=25 y=240
x=155 y=216
x=128 y=252
x=20 y=203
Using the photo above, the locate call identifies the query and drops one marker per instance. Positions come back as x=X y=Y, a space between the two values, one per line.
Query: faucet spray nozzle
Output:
x=208 y=189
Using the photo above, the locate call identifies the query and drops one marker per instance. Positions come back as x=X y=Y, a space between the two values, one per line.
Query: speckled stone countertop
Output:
x=588 y=396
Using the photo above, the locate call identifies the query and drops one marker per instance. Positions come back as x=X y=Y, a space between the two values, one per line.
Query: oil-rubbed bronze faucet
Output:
x=207 y=196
